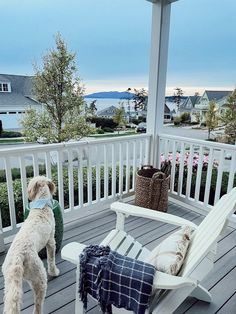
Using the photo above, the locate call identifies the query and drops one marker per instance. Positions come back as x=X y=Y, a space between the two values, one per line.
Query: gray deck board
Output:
x=92 y=230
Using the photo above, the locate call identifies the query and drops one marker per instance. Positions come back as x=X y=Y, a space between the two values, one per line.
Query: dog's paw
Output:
x=54 y=272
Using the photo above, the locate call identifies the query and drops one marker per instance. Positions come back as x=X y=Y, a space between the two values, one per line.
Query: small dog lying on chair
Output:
x=22 y=260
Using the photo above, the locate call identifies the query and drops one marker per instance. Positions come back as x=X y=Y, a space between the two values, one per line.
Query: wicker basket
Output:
x=152 y=187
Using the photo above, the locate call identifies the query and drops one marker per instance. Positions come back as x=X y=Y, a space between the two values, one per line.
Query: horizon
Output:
x=114 y=55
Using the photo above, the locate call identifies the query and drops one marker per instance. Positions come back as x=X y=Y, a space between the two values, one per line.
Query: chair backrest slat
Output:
x=209 y=230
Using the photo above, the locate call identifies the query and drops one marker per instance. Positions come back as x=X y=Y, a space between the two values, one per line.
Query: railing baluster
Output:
x=48 y=165
x=71 y=180
x=173 y=168
x=232 y=171
x=219 y=176
x=208 y=178
x=199 y=174
x=80 y=177
x=190 y=172
x=181 y=168
x=60 y=179
x=141 y=153
x=89 y=176
x=134 y=163
x=10 y=193
x=120 y=170
x=23 y=181
x=113 y=161
x=98 y=175
x=35 y=164
x=105 y=172
x=147 y=151
x=127 y=179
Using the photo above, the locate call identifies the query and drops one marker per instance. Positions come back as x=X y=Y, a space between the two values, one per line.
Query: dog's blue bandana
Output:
x=41 y=203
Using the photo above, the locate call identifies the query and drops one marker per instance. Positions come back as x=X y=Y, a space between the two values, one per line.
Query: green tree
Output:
x=93 y=108
x=119 y=117
x=178 y=96
x=58 y=88
x=229 y=117
x=212 y=118
x=140 y=99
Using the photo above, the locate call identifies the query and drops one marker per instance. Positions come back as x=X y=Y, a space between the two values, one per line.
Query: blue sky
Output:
x=112 y=41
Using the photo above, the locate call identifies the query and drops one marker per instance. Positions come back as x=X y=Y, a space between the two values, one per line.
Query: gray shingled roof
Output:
x=216 y=95
x=16 y=100
x=194 y=99
x=107 y=112
x=20 y=84
x=21 y=91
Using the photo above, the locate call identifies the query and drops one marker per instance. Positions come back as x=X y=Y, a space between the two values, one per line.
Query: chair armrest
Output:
x=71 y=252
x=166 y=281
x=132 y=210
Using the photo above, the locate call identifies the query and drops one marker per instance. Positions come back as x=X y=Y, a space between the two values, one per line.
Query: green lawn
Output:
x=112 y=134
x=11 y=140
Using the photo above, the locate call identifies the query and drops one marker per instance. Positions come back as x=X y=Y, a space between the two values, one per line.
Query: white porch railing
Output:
x=201 y=171
x=86 y=173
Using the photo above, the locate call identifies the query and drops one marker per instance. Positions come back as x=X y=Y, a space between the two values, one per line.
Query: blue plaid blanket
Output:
x=115 y=279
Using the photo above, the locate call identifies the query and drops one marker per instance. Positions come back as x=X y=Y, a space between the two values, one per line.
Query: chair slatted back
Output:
x=207 y=233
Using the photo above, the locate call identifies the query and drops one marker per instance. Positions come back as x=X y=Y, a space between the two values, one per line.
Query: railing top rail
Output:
x=197 y=141
x=64 y=145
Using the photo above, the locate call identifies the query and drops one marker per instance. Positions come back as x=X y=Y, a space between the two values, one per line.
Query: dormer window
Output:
x=5 y=87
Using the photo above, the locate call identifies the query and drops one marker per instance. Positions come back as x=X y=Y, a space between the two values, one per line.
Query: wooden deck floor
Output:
x=92 y=229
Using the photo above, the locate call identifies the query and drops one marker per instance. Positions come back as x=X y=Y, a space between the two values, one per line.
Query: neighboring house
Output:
x=16 y=94
x=189 y=106
x=167 y=114
x=107 y=113
x=201 y=106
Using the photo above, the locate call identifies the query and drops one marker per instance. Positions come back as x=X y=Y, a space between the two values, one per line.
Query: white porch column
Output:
x=157 y=74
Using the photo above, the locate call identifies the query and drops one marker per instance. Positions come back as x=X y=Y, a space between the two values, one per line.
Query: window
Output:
x=4 y=87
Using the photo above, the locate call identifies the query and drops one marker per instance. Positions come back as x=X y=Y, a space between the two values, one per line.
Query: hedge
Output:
x=17 y=188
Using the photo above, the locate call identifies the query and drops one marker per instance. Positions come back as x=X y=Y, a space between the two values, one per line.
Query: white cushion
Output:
x=169 y=255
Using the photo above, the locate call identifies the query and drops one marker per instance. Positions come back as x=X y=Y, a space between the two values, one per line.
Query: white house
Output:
x=201 y=106
x=16 y=94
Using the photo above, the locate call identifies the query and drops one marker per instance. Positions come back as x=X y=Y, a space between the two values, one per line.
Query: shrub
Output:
x=100 y=131
x=177 y=120
x=185 y=117
x=107 y=129
x=103 y=122
x=11 y=134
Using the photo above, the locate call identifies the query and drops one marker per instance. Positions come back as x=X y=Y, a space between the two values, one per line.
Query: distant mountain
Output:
x=123 y=95
x=112 y=94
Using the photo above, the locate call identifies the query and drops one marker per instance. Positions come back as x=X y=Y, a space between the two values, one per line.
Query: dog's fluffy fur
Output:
x=22 y=260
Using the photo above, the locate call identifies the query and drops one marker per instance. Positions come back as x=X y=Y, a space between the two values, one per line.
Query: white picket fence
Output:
x=105 y=166
x=198 y=169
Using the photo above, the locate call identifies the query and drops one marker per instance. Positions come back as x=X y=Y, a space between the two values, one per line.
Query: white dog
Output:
x=22 y=260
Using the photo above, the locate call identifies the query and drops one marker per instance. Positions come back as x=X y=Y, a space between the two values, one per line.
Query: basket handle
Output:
x=158 y=176
x=146 y=167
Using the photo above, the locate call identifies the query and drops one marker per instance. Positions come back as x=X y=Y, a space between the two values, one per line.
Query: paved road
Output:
x=186 y=132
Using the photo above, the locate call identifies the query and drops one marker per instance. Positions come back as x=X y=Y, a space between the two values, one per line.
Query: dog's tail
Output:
x=13 y=286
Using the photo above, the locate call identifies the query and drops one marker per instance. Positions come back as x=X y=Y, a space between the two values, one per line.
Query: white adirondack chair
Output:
x=198 y=263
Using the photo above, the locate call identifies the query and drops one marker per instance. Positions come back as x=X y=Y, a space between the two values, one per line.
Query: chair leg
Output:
x=79 y=306
x=202 y=294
